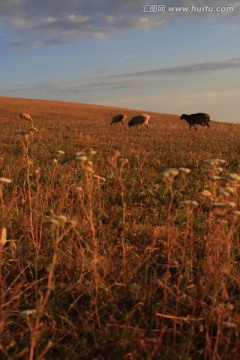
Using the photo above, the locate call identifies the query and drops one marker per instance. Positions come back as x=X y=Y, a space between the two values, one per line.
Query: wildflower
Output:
x=71 y=223
x=183 y=170
x=225 y=191
x=124 y=161
x=88 y=166
x=29 y=312
x=224 y=205
x=219 y=169
x=34 y=129
x=78 y=189
x=173 y=172
x=3 y=236
x=191 y=203
x=99 y=177
x=222 y=222
x=117 y=154
x=234 y=176
x=214 y=177
x=206 y=193
x=4 y=180
x=60 y=152
x=229 y=324
x=55 y=161
x=54 y=222
x=92 y=152
x=62 y=219
x=81 y=157
x=214 y=162
x=170 y=173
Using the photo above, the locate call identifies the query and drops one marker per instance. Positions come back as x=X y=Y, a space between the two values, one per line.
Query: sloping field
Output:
x=117 y=242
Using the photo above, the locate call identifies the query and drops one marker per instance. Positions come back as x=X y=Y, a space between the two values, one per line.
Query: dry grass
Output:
x=103 y=257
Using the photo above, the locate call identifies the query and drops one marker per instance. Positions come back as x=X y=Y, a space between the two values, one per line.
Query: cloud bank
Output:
x=136 y=79
x=142 y=78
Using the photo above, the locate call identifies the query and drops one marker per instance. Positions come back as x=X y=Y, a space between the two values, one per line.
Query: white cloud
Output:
x=54 y=22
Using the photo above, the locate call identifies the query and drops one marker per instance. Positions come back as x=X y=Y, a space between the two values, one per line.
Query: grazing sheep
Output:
x=119 y=118
x=26 y=117
x=137 y=120
x=196 y=119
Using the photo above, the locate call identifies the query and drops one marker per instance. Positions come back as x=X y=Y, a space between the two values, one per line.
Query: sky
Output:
x=163 y=56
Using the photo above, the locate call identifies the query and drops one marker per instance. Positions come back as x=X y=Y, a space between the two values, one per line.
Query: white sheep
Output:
x=137 y=120
x=26 y=117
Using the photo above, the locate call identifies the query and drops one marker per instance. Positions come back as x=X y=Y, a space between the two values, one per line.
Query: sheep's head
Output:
x=183 y=117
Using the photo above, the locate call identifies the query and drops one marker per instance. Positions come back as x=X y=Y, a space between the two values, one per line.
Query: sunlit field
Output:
x=117 y=242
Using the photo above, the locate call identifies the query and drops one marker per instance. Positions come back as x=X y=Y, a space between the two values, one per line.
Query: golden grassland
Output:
x=117 y=243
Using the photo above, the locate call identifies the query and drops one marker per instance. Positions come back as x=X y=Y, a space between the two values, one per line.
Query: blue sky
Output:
x=112 y=53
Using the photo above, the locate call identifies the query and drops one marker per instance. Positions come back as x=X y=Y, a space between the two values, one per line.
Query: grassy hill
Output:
x=122 y=243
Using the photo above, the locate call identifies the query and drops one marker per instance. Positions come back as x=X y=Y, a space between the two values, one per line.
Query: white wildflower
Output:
x=183 y=170
x=206 y=193
x=55 y=161
x=78 y=189
x=4 y=180
x=222 y=221
x=71 y=223
x=29 y=312
x=173 y=172
x=62 y=219
x=229 y=324
x=214 y=162
x=99 y=177
x=60 y=152
x=81 y=157
x=3 y=236
x=219 y=169
x=165 y=174
x=225 y=191
x=214 y=177
x=33 y=129
x=224 y=205
x=191 y=203
x=54 y=222
x=234 y=176
x=123 y=161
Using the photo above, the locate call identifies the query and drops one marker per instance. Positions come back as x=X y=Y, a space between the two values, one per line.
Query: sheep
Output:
x=119 y=118
x=137 y=120
x=196 y=119
x=24 y=116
